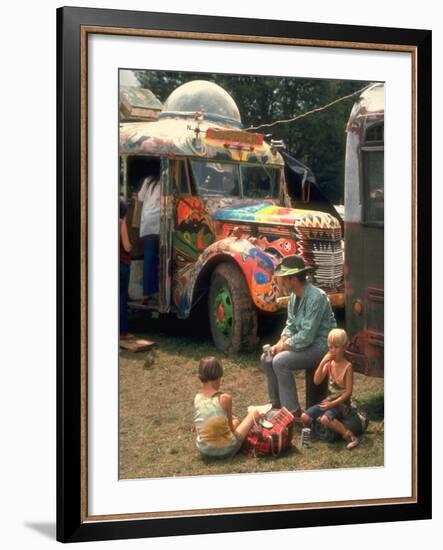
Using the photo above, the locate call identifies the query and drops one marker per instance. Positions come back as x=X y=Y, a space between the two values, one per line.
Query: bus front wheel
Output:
x=232 y=314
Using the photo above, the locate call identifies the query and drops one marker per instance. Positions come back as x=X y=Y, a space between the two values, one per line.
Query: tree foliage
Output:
x=317 y=140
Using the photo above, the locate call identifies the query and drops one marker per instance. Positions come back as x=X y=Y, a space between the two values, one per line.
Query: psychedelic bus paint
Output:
x=364 y=232
x=226 y=220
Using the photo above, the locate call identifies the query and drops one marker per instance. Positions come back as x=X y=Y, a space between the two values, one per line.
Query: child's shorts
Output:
x=315 y=411
x=221 y=452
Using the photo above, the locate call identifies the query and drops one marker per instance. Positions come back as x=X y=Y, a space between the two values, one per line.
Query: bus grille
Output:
x=322 y=250
x=319 y=233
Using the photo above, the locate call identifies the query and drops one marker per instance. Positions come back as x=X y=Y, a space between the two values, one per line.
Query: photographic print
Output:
x=224 y=181
x=239 y=291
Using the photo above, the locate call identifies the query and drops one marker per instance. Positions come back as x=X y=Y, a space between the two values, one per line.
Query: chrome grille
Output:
x=319 y=233
x=321 y=249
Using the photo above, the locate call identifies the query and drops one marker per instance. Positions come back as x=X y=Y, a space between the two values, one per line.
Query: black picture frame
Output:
x=72 y=522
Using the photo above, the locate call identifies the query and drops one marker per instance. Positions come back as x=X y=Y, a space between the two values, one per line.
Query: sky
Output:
x=127 y=78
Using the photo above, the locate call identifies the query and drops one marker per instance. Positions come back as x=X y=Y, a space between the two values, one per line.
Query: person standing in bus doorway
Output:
x=149 y=195
x=304 y=340
x=125 y=266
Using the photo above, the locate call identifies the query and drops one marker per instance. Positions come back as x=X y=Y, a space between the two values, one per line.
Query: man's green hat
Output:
x=291 y=265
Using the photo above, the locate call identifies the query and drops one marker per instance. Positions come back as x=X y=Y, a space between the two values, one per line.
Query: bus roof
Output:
x=369 y=107
x=195 y=137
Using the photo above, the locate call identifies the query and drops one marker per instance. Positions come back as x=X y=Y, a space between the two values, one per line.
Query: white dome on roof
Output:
x=202 y=95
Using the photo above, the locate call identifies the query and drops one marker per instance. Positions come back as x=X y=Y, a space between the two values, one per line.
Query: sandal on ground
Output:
x=353 y=443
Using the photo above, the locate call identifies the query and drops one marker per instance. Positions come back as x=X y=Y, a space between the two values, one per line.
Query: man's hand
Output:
x=274 y=349
x=279 y=346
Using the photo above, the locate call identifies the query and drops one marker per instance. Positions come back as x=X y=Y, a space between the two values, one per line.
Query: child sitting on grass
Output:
x=336 y=406
x=219 y=433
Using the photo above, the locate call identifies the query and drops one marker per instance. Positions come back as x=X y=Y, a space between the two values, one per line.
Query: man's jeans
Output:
x=279 y=372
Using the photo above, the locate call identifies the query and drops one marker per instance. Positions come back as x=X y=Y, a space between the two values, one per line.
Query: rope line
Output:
x=316 y=110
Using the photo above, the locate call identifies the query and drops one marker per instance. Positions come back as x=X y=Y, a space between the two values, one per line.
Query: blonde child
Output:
x=219 y=433
x=334 y=408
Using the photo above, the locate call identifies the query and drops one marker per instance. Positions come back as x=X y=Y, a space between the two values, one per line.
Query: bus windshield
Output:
x=260 y=182
x=236 y=180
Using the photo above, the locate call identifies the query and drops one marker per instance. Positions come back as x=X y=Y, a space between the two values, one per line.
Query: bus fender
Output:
x=256 y=265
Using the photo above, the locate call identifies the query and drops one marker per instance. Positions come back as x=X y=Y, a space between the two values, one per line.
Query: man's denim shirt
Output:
x=310 y=318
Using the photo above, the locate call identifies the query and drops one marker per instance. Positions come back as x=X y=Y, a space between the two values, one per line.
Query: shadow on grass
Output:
x=192 y=336
x=196 y=328
x=367 y=440
x=373 y=404
x=240 y=457
x=194 y=332
x=186 y=338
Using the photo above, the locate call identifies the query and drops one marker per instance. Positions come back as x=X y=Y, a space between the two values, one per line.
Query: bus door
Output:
x=192 y=233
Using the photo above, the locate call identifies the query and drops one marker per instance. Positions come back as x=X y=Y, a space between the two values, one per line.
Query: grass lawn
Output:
x=156 y=412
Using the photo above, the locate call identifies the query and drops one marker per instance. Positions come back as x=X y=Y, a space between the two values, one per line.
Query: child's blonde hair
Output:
x=339 y=337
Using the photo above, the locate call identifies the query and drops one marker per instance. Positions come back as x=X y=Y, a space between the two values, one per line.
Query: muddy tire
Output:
x=232 y=314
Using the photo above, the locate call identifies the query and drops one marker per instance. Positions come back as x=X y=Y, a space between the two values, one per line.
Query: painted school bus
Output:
x=226 y=217
x=364 y=232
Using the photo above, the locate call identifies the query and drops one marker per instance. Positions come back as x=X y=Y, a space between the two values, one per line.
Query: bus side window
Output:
x=373 y=174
